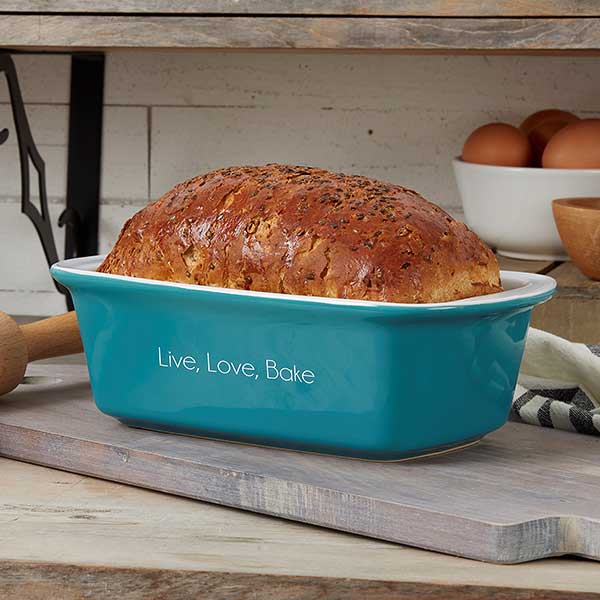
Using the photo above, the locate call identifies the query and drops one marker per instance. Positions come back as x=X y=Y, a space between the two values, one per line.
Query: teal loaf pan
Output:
x=370 y=380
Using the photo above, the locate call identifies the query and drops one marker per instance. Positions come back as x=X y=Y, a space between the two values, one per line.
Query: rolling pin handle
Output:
x=48 y=338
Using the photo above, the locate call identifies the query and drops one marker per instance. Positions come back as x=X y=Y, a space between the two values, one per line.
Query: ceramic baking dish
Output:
x=365 y=379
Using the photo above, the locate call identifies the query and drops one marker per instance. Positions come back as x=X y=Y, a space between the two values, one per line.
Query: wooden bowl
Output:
x=578 y=224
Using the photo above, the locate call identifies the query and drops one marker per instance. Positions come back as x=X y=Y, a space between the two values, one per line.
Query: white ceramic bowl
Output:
x=510 y=208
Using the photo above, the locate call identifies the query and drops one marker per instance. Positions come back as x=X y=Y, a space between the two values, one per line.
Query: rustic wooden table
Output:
x=69 y=536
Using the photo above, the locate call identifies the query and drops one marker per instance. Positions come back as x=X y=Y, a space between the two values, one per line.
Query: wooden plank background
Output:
x=170 y=116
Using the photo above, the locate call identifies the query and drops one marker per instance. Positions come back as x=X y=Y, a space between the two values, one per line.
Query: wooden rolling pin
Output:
x=20 y=344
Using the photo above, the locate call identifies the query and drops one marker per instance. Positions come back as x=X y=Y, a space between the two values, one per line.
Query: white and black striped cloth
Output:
x=549 y=402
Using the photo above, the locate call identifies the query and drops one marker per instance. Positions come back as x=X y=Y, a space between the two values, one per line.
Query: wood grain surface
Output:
x=108 y=530
x=574 y=284
x=45 y=338
x=526 y=266
x=13 y=354
x=470 y=8
x=39 y=582
x=574 y=310
x=523 y=493
x=55 y=336
x=411 y=34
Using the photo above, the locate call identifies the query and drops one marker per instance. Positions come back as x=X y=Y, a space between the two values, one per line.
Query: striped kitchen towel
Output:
x=559 y=384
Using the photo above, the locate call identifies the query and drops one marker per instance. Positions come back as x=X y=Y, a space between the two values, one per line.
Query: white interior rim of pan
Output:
x=516 y=285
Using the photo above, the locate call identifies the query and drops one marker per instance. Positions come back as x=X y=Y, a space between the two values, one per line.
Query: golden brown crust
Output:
x=301 y=230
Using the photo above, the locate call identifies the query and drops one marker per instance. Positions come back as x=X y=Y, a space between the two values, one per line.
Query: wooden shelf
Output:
x=574 y=311
x=407 y=8
x=383 y=25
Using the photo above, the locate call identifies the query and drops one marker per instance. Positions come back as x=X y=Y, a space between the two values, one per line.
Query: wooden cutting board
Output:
x=523 y=493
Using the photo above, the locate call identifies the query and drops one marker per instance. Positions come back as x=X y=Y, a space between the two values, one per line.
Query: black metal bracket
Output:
x=81 y=215
x=28 y=151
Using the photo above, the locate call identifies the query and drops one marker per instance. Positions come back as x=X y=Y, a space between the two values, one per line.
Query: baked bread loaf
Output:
x=301 y=230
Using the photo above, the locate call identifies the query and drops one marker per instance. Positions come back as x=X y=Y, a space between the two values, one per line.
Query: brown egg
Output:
x=497 y=144
x=543 y=116
x=541 y=126
x=576 y=146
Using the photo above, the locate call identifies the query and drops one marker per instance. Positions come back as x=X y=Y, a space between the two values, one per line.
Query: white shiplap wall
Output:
x=171 y=116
